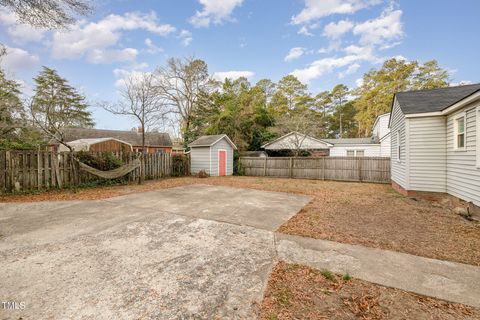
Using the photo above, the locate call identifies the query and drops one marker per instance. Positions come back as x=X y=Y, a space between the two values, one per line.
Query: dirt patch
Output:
x=372 y=215
x=300 y=292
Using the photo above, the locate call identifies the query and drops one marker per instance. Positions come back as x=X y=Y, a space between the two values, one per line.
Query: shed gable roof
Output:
x=433 y=100
x=210 y=140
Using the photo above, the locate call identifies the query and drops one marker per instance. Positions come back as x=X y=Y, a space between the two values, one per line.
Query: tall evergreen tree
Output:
x=57 y=105
x=11 y=108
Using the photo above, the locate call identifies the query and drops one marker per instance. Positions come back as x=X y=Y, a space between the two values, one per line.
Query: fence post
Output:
x=291 y=168
x=360 y=169
x=265 y=167
x=323 y=168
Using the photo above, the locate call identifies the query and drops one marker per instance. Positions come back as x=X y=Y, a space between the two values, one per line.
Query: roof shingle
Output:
x=422 y=101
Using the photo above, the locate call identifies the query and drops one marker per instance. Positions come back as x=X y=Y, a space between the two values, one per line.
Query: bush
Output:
x=180 y=165
x=237 y=166
x=105 y=162
x=202 y=174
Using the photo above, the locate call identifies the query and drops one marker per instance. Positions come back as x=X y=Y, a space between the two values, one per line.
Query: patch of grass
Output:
x=328 y=275
x=347 y=277
x=273 y=316
x=282 y=296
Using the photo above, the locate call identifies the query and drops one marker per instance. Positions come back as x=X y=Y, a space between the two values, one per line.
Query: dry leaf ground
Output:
x=300 y=292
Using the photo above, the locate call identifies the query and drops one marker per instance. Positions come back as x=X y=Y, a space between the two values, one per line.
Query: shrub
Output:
x=180 y=165
x=202 y=174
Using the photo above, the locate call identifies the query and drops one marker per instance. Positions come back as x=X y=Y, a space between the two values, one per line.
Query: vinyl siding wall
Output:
x=200 y=159
x=222 y=144
x=370 y=150
x=463 y=175
x=385 y=146
x=399 y=168
x=427 y=154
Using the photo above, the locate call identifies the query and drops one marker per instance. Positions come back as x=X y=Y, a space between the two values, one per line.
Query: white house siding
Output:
x=427 y=154
x=292 y=142
x=200 y=159
x=222 y=144
x=463 y=177
x=399 y=168
x=381 y=126
x=385 y=146
x=371 y=150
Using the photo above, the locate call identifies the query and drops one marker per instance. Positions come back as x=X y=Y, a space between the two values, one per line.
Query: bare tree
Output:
x=50 y=14
x=302 y=124
x=183 y=83
x=141 y=100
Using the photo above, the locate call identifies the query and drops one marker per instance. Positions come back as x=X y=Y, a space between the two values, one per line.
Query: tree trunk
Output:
x=141 y=178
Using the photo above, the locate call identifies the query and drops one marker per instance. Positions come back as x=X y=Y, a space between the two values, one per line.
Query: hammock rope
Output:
x=111 y=174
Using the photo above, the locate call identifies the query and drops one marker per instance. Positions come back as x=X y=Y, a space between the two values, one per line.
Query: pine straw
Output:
x=300 y=292
x=372 y=215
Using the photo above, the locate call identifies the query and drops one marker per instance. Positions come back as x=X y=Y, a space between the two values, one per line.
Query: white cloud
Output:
x=335 y=31
x=350 y=70
x=354 y=55
x=304 y=30
x=381 y=30
x=295 y=53
x=84 y=38
x=214 y=11
x=20 y=33
x=151 y=47
x=100 y=56
x=221 y=76
x=186 y=37
x=17 y=59
x=123 y=74
x=315 y=9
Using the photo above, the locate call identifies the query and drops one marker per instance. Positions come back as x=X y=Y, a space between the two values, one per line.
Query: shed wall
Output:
x=200 y=159
x=222 y=144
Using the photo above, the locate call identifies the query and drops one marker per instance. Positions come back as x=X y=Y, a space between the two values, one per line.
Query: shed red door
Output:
x=222 y=162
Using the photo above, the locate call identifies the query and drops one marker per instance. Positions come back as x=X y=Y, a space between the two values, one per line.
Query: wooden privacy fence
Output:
x=363 y=169
x=30 y=170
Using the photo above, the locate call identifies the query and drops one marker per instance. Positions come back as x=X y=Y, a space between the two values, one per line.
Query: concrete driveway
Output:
x=188 y=252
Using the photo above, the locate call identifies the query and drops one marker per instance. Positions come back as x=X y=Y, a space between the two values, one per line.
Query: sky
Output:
x=322 y=42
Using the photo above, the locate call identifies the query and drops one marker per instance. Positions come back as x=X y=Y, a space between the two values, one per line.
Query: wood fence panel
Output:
x=363 y=169
x=28 y=170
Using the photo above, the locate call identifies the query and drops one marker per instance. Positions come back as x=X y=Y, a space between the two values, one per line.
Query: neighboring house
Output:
x=295 y=141
x=177 y=146
x=255 y=154
x=381 y=131
x=436 y=141
x=214 y=154
x=154 y=141
x=355 y=147
x=97 y=145
x=376 y=146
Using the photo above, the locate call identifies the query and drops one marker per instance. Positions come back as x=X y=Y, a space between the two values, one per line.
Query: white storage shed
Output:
x=214 y=154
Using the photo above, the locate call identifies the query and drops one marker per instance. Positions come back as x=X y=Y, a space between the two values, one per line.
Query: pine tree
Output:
x=11 y=108
x=57 y=105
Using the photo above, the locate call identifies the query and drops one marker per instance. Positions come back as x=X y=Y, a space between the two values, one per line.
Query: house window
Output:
x=399 y=147
x=355 y=153
x=460 y=132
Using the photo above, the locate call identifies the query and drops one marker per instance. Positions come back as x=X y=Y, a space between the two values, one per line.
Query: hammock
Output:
x=111 y=174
